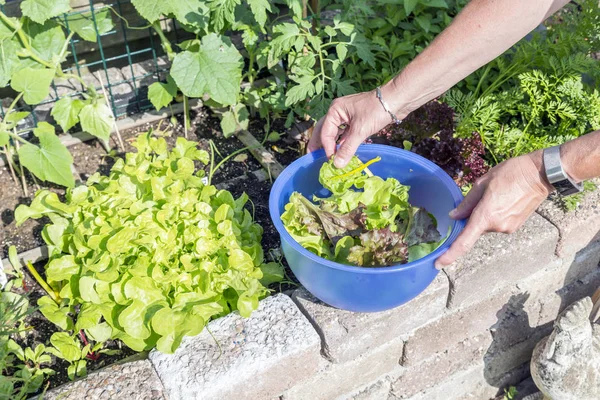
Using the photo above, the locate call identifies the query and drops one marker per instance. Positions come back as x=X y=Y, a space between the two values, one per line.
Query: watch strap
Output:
x=556 y=175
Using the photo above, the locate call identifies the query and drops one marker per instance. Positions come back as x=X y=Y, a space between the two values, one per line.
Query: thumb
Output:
x=347 y=149
x=466 y=207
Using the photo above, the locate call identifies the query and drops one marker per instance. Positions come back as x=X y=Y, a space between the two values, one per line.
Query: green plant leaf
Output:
x=9 y=60
x=409 y=6
x=305 y=88
x=42 y=10
x=162 y=94
x=235 y=120
x=83 y=24
x=68 y=348
x=151 y=9
x=259 y=9
x=34 y=83
x=97 y=119
x=47 y=40
x=4 y=138
x=342 y=50
x=424 y=22
x=66 y=112
x=194 y=13
x=436 y=3
x=55 y=314
x=272 y=273
x=216 y=70
x=51 y=161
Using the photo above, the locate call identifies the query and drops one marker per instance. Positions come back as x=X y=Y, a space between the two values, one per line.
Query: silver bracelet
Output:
x=386 y=107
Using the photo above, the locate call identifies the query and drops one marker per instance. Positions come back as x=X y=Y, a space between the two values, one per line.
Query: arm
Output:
x=481 y=32
x=503 y=199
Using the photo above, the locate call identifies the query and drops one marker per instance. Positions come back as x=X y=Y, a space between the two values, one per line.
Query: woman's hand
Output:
x=351 y=119
x=500 y=201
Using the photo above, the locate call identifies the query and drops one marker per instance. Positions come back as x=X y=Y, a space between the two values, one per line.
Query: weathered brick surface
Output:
x=499 y=260
x=430 y=372
x=577 y=228
x=131 y=381
x=347 y=335
x=379 y=390
x=254 y=358
x=470 y=384
x=511 y=314
x=334 y=380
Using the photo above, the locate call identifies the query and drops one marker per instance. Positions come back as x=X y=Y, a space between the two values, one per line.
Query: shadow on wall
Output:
x=515 y=333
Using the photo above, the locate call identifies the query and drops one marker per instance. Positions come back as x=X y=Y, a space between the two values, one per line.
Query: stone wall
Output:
x=469 y=335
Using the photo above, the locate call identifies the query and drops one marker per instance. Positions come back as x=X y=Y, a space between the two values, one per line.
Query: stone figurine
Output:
x=566 y=364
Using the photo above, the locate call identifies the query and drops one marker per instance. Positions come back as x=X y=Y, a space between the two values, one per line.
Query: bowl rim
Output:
x=288 y=172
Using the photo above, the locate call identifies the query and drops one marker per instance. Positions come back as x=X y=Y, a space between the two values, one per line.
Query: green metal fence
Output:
x=139 y=59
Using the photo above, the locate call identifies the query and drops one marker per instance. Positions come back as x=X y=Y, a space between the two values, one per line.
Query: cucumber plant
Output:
x=34 y=48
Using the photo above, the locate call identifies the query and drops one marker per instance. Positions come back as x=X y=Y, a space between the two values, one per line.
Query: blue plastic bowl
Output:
x=368 y=289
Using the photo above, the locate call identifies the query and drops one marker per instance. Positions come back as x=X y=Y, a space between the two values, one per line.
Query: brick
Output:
x=347 y=335
x=577 y=228
x=334 y=380
x=554 y=303
x=428 y=373
x=511 y=315
x=254 y=358
x=471 y=384
x=135 y=380
x=499 y=260
x=376 y=391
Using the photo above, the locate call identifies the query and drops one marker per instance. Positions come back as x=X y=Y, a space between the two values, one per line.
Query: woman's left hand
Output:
x=500 y=201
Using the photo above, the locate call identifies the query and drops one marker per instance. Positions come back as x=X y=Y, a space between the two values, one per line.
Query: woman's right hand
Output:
x=351 y=120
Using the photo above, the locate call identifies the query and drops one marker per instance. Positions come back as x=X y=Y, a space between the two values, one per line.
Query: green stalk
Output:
x=163 y=40
x=55 y=296
x=127 y=22
x=213 y=170
x=186 y=116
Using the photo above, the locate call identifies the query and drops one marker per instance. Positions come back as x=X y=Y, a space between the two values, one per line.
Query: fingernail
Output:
x=453 y=213
x=339 y=162
x=439 y=265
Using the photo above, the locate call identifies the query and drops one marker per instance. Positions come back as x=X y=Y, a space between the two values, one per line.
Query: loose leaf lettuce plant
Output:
x=149 y=254
x=367 y=221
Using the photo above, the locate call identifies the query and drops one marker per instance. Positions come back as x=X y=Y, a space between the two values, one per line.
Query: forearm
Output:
x=481 y=32
x=581 y=157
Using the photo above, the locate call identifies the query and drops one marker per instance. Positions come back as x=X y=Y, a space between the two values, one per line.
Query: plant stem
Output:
x=120 y=139
x=17 y=137
x=9 y=162
x=43 y=283
x=14 y=103
x=163 y=40
x=186 y=116
x=213 y=170
x=23 y=181
x=127 y=22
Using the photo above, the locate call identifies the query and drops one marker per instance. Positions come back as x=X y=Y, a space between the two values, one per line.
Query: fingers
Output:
x=465 y=242
x=466 y=207
x=349 y=146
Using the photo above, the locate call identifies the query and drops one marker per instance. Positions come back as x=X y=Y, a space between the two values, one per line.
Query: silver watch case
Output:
x=557 y=176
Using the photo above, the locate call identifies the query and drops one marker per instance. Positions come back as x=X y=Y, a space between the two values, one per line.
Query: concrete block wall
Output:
x=469 y=335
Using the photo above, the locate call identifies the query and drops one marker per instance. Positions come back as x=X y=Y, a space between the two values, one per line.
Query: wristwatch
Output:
x=557 y=176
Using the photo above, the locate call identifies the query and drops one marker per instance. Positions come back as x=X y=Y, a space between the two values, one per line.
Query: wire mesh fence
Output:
x=125 y=59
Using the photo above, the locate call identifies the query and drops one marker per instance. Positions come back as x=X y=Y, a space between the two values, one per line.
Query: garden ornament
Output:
x=566 y=364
